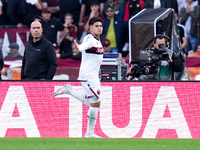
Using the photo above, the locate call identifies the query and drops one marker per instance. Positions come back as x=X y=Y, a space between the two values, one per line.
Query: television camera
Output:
x=147 y=65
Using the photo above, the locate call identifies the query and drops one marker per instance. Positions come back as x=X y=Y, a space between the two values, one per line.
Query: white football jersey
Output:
x=92 y=56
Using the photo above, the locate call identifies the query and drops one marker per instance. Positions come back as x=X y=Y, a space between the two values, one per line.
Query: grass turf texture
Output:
x=97 y=144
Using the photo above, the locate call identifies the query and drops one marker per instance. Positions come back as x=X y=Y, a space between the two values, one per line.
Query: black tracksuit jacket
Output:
x=39 y=60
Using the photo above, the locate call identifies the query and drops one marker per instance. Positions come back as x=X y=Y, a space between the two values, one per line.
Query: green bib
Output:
x=164 y=73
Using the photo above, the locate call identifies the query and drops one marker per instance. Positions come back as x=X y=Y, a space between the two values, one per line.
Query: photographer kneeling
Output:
x=157 y=63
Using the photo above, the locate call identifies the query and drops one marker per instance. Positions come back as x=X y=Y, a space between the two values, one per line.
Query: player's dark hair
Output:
x=95 y=19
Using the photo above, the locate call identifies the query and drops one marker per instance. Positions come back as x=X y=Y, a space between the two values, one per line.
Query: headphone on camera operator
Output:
x=163 y=62
x=162 y=36
x=161 y=44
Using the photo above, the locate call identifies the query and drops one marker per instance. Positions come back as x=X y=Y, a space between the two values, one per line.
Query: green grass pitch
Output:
x=97 y=144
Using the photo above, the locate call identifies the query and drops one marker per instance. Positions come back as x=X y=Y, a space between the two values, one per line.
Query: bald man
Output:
x=39 y=60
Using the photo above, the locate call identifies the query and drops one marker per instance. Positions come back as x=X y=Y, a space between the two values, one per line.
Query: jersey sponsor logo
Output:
x=95 y=50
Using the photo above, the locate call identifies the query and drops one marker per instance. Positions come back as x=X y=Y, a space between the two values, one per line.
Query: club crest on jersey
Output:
x=100 y=50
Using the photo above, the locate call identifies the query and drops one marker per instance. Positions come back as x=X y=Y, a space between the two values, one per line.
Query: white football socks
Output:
x=92 y=118
x=92 y=113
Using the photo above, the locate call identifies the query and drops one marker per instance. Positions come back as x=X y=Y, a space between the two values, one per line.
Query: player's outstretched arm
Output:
x=76 y=45
x=83 y=46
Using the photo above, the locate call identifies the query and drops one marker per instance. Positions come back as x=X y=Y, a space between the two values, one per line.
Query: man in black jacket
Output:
x=39 y=61
x=1 y=62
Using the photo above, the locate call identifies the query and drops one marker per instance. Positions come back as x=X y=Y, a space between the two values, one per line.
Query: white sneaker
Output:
x=91 y=136
x=66 y=89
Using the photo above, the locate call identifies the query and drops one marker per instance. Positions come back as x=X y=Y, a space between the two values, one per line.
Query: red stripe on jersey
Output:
x=97 y=50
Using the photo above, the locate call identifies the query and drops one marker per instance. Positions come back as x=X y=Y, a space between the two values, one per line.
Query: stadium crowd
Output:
x=70 y=19
x=66 y=20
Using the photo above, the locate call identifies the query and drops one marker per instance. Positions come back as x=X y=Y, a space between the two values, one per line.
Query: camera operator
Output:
x=164 y=62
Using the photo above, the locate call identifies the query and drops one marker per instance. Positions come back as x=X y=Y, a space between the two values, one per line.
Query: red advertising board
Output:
x=128 y=110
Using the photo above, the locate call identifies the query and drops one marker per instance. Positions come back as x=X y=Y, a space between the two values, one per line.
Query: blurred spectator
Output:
x=1 y=6
x=106 y=45
x=14 y=47
x=37 y=18
x=181 y=4
x=113 y=29
x=102 y=3
x=95 y=12
x=70 y=6
x=132 y=8
x=85 y=9
x=31 y=9
x=118 y=6
x=66 y=37
x=3 y=13
x=53 y=6
x=173 y=4
x=157 y=4
x=57 y=50
x=14 y=12
x=194 y=54
x=76 y=54
x=180 y=49
x=189 y=18
x=182 y=33
x=50 y=26
x=39 y=60
x=1 y=62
